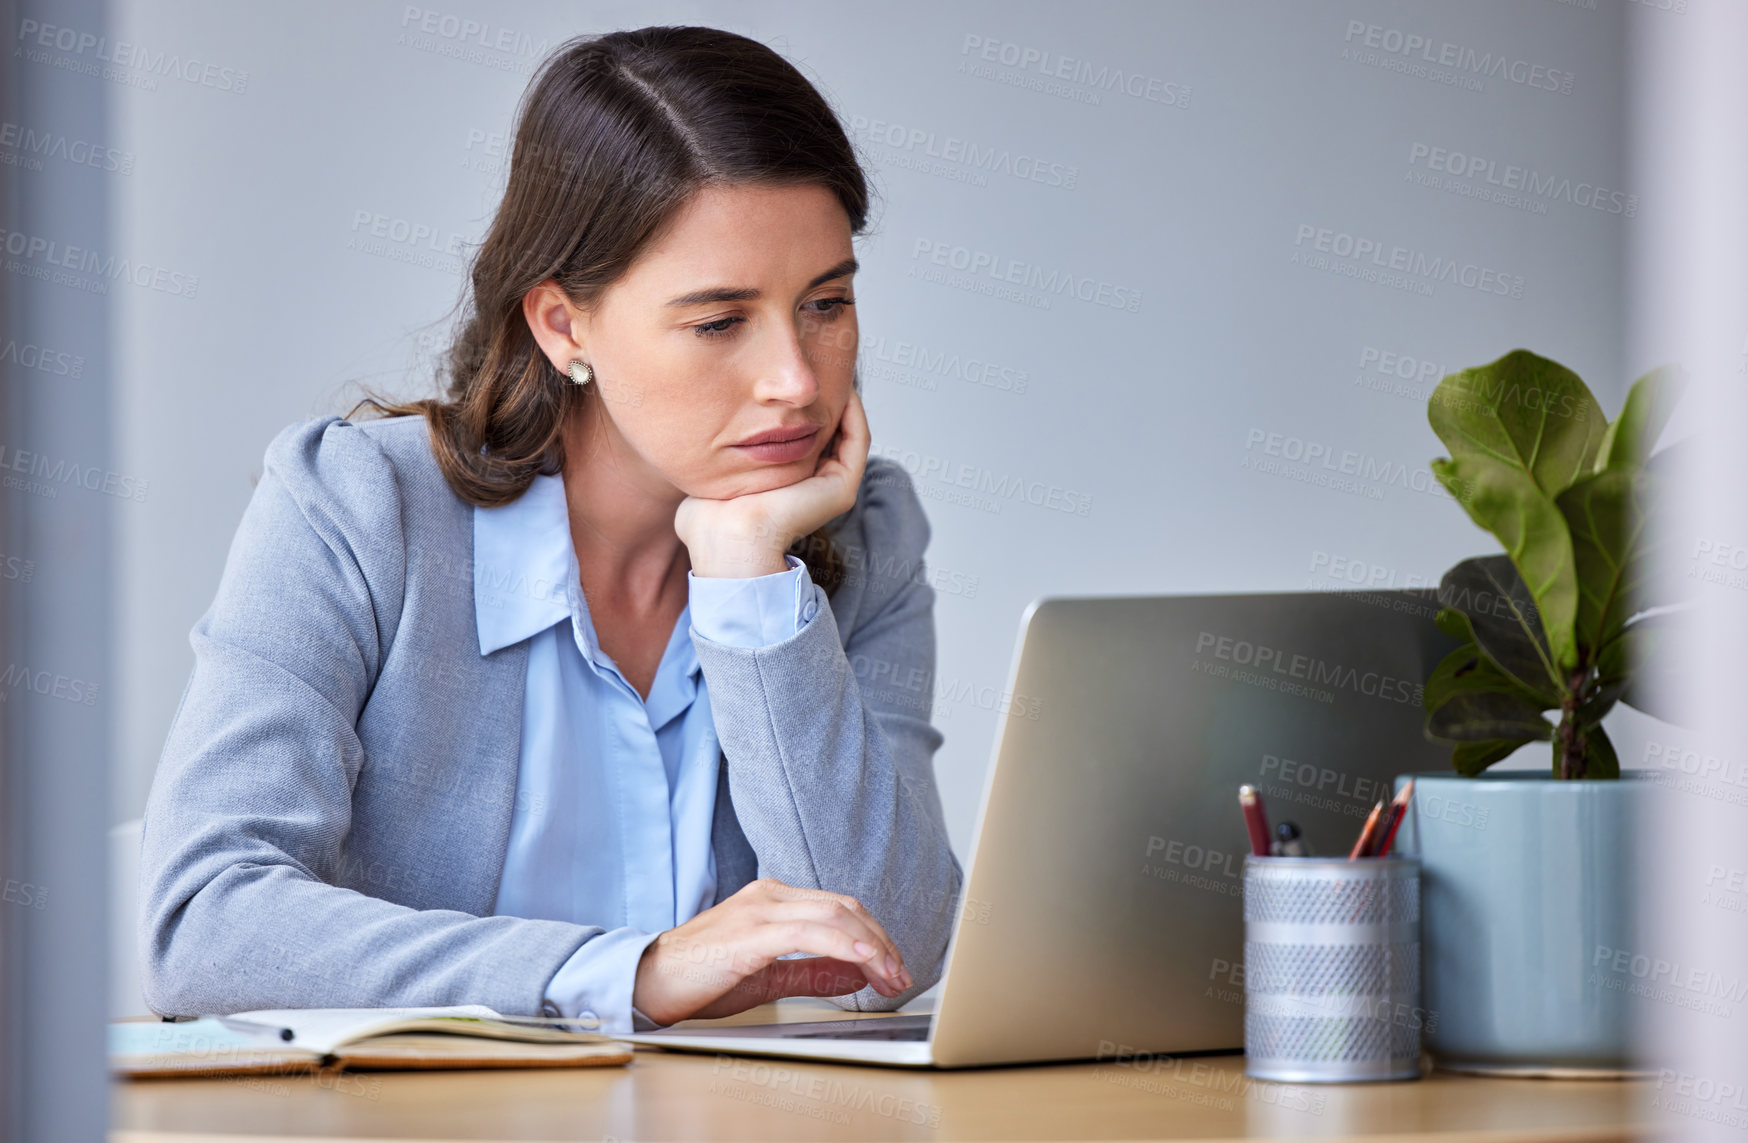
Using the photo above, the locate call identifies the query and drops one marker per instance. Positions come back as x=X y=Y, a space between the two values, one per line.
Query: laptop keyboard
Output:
x=913 y=1032
x=913 y=1027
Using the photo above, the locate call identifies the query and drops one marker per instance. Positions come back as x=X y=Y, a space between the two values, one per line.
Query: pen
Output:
x=253 y=1028
x=1255 y=820
x=1289 y=841
x=1398 y=811
x=1362 y=846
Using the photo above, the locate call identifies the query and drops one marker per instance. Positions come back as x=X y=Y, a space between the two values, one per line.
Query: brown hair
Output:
x=614 y=134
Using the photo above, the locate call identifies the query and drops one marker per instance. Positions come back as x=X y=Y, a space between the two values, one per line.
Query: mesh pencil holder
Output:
x=1332 y=969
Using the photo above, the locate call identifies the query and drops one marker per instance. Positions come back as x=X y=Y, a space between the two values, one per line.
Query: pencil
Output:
x=1362 y=847
x=1398 y=811
x=1255 y=820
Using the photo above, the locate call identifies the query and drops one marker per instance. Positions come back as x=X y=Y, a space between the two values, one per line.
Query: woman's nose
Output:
x=786 y=373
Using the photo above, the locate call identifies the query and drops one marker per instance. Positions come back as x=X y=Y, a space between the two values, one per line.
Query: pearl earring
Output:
x=581 y=373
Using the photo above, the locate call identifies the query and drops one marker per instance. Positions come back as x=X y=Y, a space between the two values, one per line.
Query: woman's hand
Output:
x=725 y=960
x=747 y=535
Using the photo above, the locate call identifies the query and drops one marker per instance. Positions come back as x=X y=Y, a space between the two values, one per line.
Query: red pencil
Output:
x=1255 y=820
x=1398 y=811
x=1363 y=845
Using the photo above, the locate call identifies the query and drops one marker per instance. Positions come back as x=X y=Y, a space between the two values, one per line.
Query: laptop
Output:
x=1101 y=914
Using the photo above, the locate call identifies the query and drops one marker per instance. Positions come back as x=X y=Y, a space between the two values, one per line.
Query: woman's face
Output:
x=737 y=321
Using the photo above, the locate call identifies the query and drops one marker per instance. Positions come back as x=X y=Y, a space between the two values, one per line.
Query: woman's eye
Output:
x=831 y=307
x=721 y=327
x=826 y=308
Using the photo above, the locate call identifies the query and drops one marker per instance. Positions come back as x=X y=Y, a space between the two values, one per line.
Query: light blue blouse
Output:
x=615 y=795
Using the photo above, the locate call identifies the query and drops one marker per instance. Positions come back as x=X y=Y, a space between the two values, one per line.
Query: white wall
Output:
x=1689 y=302
x=1150 y=417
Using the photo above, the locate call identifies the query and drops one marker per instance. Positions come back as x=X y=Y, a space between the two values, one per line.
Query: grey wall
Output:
x=59 y=285
x=1164 y=436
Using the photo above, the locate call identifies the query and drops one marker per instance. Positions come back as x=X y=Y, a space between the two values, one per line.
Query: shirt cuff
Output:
x=755 y=611
x=598 y=980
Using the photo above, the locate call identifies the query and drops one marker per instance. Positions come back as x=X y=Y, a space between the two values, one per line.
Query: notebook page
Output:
x=324 y=1029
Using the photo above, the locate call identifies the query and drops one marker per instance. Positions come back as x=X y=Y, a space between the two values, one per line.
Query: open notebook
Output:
x=311 y=1039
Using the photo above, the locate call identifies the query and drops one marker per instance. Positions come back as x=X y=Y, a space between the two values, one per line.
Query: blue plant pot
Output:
x=1526 y=912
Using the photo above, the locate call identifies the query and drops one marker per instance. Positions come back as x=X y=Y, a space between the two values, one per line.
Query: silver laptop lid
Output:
x=1102 y=908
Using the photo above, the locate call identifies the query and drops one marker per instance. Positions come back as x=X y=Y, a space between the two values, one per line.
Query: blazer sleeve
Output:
x=252 y=796
x=830 y=749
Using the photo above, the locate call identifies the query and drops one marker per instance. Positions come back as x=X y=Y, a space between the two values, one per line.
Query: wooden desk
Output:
x=679 y=1096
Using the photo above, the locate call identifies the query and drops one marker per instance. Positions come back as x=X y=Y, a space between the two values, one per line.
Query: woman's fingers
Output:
x=731 y=956
x=848 y=450
x=853 y=448
x=804 y=976
x=879 y=951
x=815 y=976
x=872 y=945
x=850 y=453
x=801 y=976
x=824 y=938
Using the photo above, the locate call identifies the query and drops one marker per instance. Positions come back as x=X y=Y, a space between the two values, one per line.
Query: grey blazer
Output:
x=328 y=822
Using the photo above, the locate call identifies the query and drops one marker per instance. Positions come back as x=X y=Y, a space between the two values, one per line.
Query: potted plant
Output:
x=1526 y=877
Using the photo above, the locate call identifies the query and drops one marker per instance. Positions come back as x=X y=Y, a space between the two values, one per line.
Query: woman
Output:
x=541 y=695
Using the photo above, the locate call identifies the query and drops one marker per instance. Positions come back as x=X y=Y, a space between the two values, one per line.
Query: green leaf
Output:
x=1622 y=655
x=1505 y=622
x=1599 y=701
x=1467 y=670
x=1605 y=515
x=1482 y=716
x=1470 y=699
x=1628 y=441
x=1470 y=758
x=1454 y=623
x=1442 y=684
x=1527 y=522
x=1643 y=664
x=1523 y=411
x=1600 y=760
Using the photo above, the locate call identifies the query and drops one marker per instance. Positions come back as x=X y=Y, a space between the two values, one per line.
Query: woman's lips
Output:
x=781 y=452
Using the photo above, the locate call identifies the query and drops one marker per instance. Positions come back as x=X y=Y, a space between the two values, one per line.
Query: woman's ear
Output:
x=553 y=322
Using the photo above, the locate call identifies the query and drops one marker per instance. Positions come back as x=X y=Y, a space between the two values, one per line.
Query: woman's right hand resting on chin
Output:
x=725 y=960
